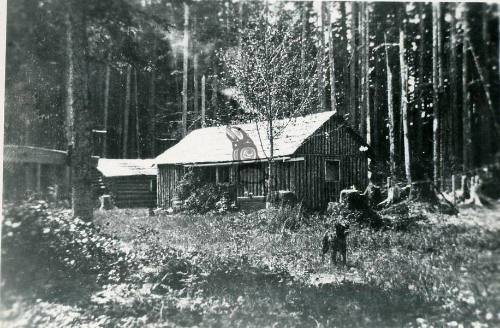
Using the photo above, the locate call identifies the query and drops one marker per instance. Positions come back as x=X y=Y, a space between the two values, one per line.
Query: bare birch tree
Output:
x=266 y=78
x=404 y=105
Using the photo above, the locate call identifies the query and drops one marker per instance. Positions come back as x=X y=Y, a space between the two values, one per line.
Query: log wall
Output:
x=168 y=178
x=132 y=191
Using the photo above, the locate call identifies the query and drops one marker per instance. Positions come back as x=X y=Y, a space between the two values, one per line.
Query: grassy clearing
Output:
x=244 y=270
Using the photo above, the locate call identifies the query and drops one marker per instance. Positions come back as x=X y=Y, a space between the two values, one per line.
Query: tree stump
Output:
x=353 y=199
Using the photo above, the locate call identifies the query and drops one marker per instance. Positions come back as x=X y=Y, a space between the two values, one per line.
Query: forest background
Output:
x=418 y=81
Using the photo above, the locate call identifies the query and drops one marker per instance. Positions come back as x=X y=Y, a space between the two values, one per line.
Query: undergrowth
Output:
x=264 y=269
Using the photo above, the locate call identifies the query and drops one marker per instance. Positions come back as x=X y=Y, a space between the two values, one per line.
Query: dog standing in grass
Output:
x=336 y=242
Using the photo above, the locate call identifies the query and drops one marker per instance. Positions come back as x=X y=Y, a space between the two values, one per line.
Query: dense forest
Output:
x=418 y=81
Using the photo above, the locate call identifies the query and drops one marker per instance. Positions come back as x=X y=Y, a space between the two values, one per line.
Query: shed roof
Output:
x=126 y=167
x=211 y=145
x=29 y=154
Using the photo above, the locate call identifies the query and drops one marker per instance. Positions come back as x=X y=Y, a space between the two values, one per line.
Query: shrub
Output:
x=187 y=185
x=365 y=217
x=279 y=218
x=211 y=197
x=51 y=240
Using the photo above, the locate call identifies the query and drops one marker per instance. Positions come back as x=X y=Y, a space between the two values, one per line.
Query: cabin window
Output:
x=332 y=170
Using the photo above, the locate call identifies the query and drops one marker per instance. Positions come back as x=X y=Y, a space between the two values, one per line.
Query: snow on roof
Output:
x=209 y=145
x=126 y=167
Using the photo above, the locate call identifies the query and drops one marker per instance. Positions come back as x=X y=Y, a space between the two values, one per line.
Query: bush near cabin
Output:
x=201 y=197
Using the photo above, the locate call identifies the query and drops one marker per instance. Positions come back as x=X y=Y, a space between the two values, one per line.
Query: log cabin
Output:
x=315 y=157
x=130 y=182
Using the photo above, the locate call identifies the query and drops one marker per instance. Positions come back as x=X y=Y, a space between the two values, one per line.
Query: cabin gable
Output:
x=334 y=146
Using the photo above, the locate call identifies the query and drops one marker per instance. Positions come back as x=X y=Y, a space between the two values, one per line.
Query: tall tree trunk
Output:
x=345 y=60
x=466 y=120
x=126 y=114
x=439 y=44
x=321 y=59
x=435 y=92
x=215 y=89
x=421 y=87
x=366 y=64
x=269 y=117
x=152 y=104
x=107 y=78
x=453 y=89
x=390 y=112
x=303 y=46
x=203 y=101
x=137 y=118
x=442 y=115
x=404 y=105
x=352 y=67
x=196 y=86
x=485 y=62
x=377 y=117
x=81 y=156
x=484 y=82
x=185 y=70
x=366 y=115
x=240 y=27
x=331 y=58
x=69 y=84
x=362 y=56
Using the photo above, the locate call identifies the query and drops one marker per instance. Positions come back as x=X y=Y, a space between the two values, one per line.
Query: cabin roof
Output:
x=29 y=154
x=126 y=167
x=211 y=145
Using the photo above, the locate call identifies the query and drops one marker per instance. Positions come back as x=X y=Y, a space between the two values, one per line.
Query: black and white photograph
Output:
x=250 y=163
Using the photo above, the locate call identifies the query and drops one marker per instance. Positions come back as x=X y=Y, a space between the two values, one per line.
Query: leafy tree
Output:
x=267 y=73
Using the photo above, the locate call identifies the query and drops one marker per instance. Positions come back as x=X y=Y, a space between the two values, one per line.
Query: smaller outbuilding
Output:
x=131 y=182
x=31 y=170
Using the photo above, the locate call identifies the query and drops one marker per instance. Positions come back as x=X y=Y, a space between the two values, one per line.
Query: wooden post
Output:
x=217 y=175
